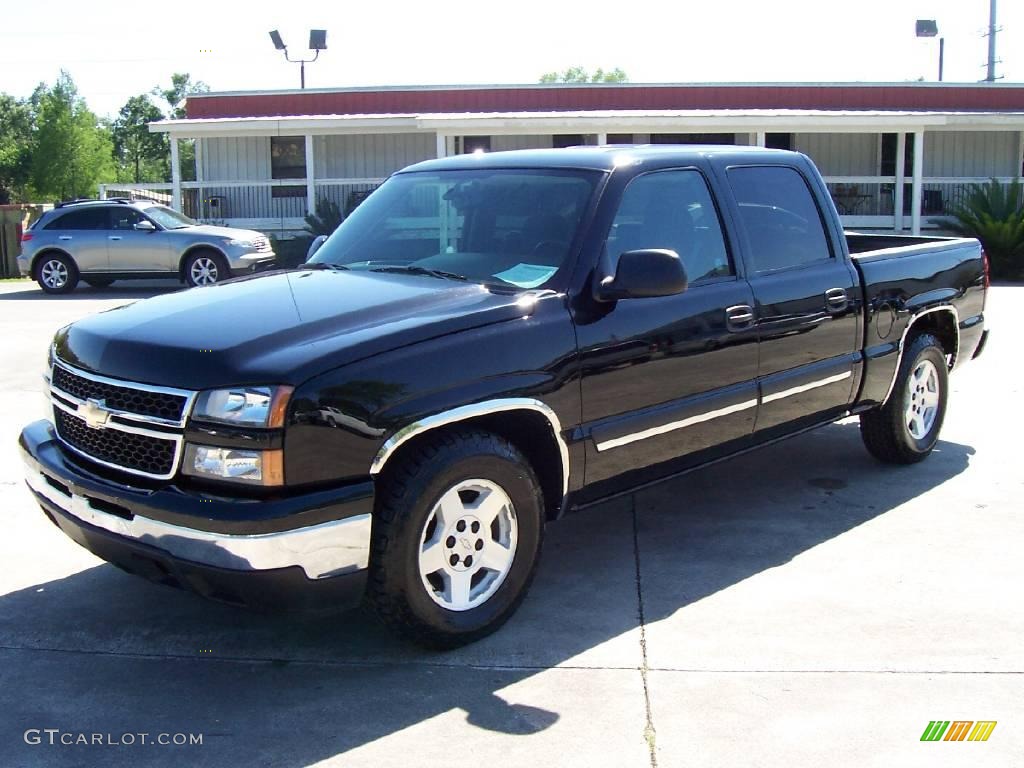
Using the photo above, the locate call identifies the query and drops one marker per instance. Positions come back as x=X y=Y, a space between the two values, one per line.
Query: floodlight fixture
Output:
x=317 y=43
x=929 y=28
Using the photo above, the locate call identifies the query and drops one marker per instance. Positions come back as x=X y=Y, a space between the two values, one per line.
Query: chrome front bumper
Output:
x=328 y=549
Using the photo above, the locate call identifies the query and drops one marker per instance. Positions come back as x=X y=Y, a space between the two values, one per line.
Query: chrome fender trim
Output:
x=906 y=332
x=465 y=412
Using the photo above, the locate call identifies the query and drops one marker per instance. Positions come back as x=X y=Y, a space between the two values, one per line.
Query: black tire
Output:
x=218 y=268
x=407 y=495
x=885 y=431
x=98 y=282
x=51 y=267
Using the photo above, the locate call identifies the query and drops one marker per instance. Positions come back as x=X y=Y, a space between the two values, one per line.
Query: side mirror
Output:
x=315 y=246
x=644 y=274
x=145 y=226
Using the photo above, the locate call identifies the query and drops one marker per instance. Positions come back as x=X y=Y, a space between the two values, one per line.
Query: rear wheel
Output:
x=457 y=536
x=57 y=273
x=206 y=268
x=906 y=428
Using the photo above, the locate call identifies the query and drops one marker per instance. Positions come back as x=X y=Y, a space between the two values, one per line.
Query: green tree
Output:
x=15 y=147
x=136 y=148
x=72 y=149
x=581 y=75
x=182 y=86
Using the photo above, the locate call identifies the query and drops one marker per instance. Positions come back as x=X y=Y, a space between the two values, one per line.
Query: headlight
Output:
x=242 y=243
x=244 y=406
x=235 y=465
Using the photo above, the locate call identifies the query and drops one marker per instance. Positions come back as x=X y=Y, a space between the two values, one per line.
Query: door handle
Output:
x=836 y=299
x=114 y=237
x=64 y=237
x=739 y=317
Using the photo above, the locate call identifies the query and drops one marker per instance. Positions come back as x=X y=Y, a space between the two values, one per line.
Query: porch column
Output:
x=310 y=176
x=897 y=195
x=759 y=139
x=917 y=194
x=442 y=145
x=200 y=211
x=175 y=174
x=602 y=138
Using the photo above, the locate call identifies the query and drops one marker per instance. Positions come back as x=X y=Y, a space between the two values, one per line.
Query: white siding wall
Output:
x=503 y=143
x=368 y=156
x=841 y=154
x=971 y=153
x=236 y=159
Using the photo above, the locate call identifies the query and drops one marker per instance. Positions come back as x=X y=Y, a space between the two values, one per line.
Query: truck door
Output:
x=805 y=303
x=671 y=376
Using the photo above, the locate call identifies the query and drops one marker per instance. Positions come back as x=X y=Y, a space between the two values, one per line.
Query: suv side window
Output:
x=783 y=223
x=125 y=218
x=673 y=210
x=86 y=218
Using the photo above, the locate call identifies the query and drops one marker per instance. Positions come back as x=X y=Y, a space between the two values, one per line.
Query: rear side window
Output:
x=782 y=221
x=87 y=218
x=673 y=210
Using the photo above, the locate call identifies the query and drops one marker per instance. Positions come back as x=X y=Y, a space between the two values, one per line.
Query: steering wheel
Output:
x=549 y=248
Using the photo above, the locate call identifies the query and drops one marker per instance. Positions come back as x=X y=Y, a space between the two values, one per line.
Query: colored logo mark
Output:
x=958 y=730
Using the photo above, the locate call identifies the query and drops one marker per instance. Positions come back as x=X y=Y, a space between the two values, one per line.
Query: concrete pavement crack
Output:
x=650 y=735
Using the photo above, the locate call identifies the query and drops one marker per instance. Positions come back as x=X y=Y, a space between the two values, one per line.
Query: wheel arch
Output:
x=530 y=425
x=943 y=322
x=193 y=249
x=50 y=250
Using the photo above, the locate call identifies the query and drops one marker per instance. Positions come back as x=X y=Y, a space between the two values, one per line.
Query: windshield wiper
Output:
x=414 y=269
x=321 y=265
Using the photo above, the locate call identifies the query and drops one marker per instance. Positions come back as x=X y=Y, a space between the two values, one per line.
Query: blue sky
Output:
x=116 y=49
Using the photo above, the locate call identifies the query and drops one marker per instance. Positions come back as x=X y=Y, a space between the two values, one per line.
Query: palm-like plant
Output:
x=994 y=213
x=328 y=217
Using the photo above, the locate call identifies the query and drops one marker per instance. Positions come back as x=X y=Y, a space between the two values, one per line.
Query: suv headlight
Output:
x=241 y=243
x=244 y=406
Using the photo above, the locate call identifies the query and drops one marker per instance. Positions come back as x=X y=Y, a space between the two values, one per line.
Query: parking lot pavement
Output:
x=802 y=605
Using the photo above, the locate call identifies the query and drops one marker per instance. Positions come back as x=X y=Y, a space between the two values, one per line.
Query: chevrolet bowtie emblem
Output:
x=94 y=413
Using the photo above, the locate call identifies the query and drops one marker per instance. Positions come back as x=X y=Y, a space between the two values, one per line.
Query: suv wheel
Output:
x=57 y=273
x=206 y=268
x=457 y=535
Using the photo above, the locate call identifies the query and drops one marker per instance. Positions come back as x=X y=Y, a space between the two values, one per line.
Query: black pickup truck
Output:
x=487 y=342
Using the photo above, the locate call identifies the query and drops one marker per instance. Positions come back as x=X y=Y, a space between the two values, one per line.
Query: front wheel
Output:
x=456 y=540
x=906 y=428
x=206 y=268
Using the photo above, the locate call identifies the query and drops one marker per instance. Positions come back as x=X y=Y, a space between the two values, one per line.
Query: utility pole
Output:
x=990 y=77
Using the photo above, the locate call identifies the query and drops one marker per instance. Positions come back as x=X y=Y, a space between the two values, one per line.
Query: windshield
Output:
x=502 y=227
x=167 y=218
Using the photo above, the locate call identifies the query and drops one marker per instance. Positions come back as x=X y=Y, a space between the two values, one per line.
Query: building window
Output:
x=693 y=138
x=287 y=157
x=779 y=141
x=473 y=143
x=563 y=140
x=620 y=138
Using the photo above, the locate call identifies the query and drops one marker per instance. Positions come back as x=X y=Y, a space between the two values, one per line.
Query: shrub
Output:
x=326 y=219
x=994 y=213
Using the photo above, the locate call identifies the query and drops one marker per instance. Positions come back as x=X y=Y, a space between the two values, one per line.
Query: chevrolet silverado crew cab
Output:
x=100 y=241
x=487 y=342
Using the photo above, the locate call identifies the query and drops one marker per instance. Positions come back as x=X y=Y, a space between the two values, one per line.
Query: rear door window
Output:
x=783 y=223
x=84 y=219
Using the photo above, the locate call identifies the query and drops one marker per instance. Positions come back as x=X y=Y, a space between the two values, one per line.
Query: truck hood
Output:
x=276 y=328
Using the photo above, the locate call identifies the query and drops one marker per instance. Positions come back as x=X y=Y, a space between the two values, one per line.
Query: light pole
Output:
x=317 y=42
x=928 y=28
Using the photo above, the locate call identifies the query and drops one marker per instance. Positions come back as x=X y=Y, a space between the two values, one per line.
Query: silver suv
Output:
x=101 y=241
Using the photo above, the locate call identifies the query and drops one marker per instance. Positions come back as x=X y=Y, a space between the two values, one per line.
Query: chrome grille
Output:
x=140 y=453
x=137 y=428
x=261 y=244
x=122 y=398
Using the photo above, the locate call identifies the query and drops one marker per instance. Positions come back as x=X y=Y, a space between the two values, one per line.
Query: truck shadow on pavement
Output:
x=100 y=651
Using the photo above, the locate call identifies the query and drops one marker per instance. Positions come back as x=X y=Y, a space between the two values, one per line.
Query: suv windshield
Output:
x=167 y=218
x=502 y=227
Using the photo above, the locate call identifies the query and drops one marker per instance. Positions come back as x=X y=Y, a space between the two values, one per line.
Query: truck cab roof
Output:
x=603 y=158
